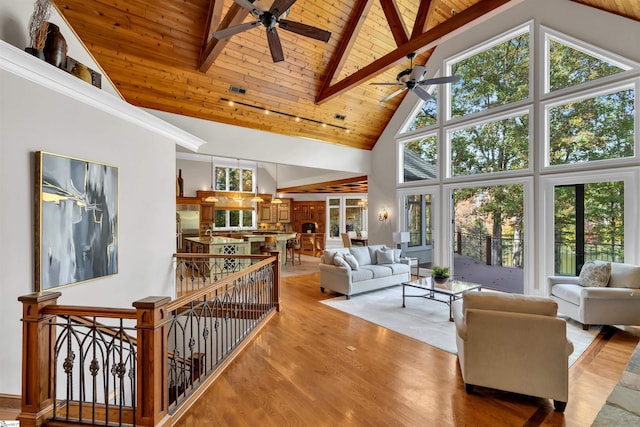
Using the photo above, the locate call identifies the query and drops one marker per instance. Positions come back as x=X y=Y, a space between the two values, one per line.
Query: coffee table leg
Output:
x=403 y=306
x=450 y=309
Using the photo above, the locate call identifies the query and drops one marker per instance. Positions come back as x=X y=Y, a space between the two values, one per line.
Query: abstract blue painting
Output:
x=76 y=220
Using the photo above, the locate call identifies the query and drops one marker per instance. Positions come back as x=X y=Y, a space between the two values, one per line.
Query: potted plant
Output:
x=440 y=274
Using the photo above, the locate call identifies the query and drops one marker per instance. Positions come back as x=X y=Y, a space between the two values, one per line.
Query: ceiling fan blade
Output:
x=387 y=84
x=398 y=92
x=255 y=11
x=226 y=32
x=423 y=94
x=439 y=80
x=280 y=6
x=305 y=30
x=417 y=72
x=274 y=45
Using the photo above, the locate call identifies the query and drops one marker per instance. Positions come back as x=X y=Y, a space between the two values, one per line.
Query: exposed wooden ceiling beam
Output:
x=417 y=44
x=358 y=16
x=235 y=15
x=213 y=19
x=396 y=23
x=424 y=11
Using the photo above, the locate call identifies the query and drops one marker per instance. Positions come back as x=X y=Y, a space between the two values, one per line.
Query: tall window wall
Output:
x=485 y=140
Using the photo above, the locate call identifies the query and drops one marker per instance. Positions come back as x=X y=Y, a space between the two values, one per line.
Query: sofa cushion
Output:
x=567 y=292
x=398 y=268
x=624 y=276
x=352 y=261
x=594 y=273
x=338 y=259
x=510 y=302
x=378 y=270
x=384 y=257
x=360 y=275
x=362 y=254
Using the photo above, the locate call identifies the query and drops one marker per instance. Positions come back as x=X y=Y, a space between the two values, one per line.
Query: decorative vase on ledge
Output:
x=55 y=47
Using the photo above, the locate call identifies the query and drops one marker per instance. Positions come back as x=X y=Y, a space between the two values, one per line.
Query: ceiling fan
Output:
x=411 y=79
x=269 y=19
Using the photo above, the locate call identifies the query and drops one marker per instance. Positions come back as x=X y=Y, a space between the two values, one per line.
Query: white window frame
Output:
x=631 y=178
x=527 y=27
x=446 y=155
x=581 y=96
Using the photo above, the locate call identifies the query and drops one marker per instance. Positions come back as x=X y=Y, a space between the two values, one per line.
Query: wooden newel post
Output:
x=152 y=370
x=276 y=280
x=38 y=341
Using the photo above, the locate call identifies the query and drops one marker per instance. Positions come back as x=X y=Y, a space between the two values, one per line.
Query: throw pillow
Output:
x=352 y=261
x=595 y=274
x=396 y=253
x=338 y=259
x=384 y=257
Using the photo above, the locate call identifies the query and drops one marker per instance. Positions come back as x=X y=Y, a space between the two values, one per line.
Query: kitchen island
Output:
x=239 y=243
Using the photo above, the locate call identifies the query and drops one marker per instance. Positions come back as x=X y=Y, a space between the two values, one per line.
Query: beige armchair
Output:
x=514 y=343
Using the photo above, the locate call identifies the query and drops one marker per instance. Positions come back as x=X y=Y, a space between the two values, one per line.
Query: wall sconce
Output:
x=383 y=215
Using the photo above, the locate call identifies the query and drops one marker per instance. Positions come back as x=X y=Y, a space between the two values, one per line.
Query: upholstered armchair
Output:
x=604 y=294
x=514 y=343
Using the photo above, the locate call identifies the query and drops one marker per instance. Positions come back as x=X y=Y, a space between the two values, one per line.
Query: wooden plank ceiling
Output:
x=160 y=55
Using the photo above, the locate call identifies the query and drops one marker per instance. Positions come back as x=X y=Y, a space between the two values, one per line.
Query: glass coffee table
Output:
x=446 y=292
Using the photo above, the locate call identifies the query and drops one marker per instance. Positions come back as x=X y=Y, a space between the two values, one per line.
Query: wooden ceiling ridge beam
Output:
x=235 y=16
x=358 y=16
x=395 y=21
x=417 y=44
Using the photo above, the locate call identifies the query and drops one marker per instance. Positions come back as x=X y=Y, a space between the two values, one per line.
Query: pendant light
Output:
x=211 y=198
x=275 y=200
x=256 y=198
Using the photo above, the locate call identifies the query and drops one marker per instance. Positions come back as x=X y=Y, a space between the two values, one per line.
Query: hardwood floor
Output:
x=316 y=366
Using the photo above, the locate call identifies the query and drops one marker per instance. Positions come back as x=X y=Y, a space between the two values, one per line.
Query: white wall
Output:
x=243 y=143
x=33 y=118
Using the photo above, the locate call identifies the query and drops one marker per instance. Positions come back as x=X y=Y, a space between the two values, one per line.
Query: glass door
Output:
x=488 y=236
x=345 y=214
x=419 y=219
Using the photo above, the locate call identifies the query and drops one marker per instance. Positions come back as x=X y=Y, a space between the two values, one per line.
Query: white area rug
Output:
x=428 y=321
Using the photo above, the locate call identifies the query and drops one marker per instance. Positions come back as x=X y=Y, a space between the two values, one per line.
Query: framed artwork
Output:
x=76 y=226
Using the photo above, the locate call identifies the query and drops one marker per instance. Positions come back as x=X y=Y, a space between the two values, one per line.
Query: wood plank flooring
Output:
x=316 y=366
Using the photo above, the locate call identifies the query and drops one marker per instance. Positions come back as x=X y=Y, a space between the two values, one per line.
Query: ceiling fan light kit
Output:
x=413 y=79
x=270 y=20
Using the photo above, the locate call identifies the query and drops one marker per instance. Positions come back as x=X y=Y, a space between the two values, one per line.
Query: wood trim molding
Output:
x=20 y=63
x=10 y=401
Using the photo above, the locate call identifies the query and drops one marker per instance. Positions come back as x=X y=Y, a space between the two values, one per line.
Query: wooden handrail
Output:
x=73 y=310
x=198 y=294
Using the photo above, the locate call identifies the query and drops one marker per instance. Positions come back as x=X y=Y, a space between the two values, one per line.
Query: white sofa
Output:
x=617 y=303
x=514 y=343
x=368 y=275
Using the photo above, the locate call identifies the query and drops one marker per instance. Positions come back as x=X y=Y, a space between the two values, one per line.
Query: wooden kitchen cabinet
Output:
x=284 y=210
x=309 y=211
x=272 y=213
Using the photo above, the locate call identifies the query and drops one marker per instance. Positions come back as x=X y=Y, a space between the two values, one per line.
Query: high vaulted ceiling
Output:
x=160 y=55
